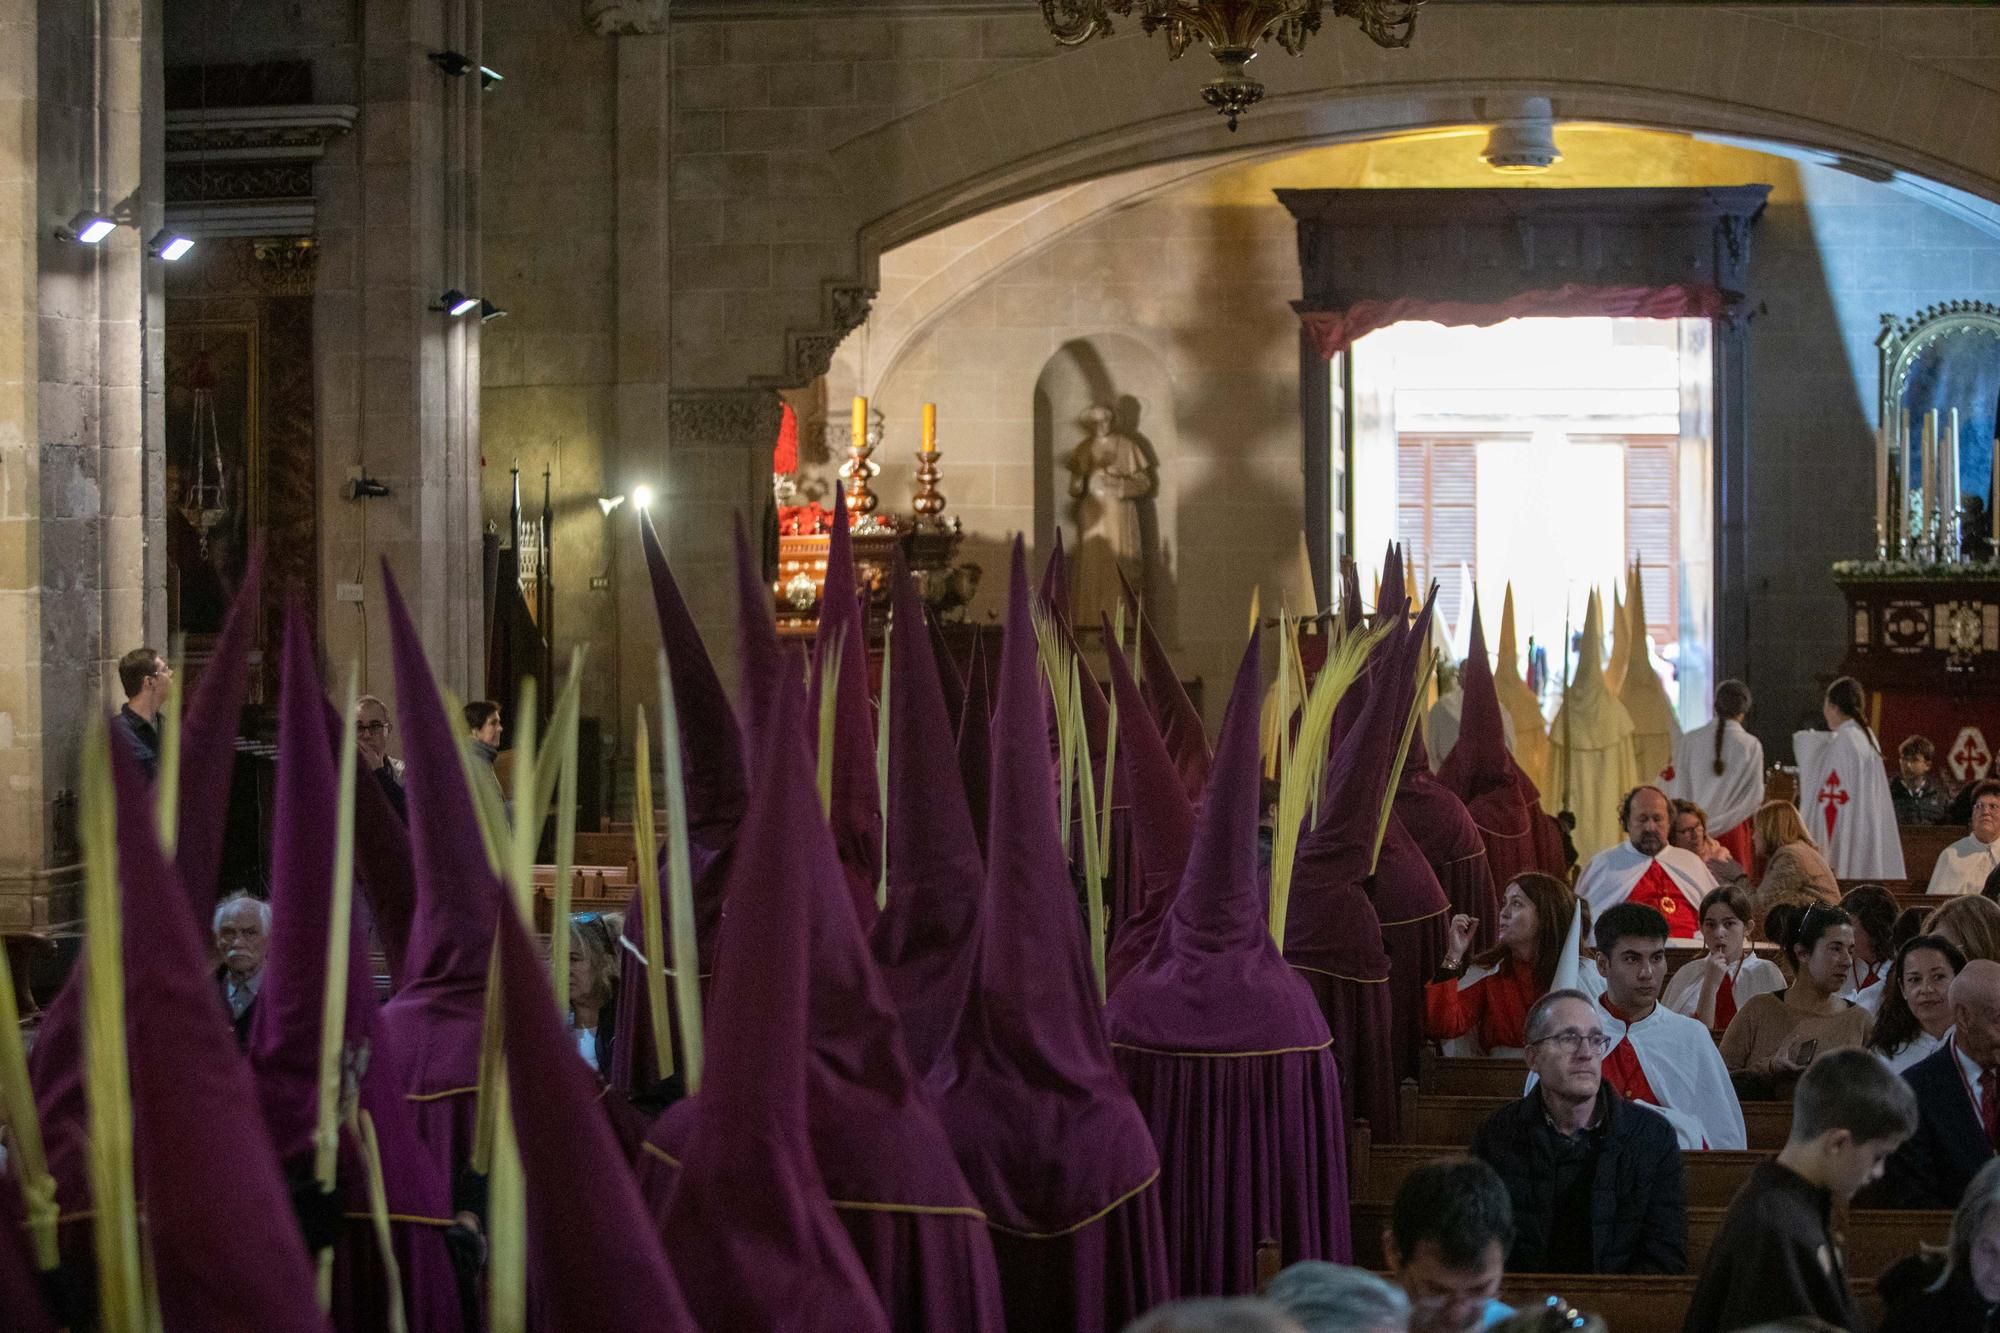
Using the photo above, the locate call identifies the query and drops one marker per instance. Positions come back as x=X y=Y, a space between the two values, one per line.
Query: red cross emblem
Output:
x=1667 y=773
x=1832 y=795
x=1971 y=758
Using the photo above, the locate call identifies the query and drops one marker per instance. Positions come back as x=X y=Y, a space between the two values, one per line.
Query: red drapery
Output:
x=1334 y=331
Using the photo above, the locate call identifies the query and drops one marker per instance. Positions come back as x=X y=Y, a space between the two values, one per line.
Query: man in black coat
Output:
x=1596 y=1182
x=1958 y=1091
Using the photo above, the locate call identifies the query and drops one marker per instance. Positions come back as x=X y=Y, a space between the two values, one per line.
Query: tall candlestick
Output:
x=1903 y=484
x=1882 y=434
x=860 y=426
x=1931 y=482
x=1948 y=480
x=930 y=428
x=1993 y=500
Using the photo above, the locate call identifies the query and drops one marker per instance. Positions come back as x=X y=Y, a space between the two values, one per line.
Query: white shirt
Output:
x=1913 y=1050
x=1963 y=867
x=1868 y=994
x=1752 y=976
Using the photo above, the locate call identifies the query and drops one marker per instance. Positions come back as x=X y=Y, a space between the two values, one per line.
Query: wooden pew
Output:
x=1921 y=845
x=1875 y=1238
x=606 y=849
x=1633 y=1304
x=596 y=889
x=1376 y=1170
x=1453 y=1117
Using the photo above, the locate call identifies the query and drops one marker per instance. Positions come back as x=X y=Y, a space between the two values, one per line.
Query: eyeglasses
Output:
x=1570 y=1041
x=372 y=727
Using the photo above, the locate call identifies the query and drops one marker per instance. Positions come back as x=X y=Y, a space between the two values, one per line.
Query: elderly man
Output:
x=1964 y=866
x=145 y=677
x=242 y=938
x=1958 y=1091
x=371 y=743
x=1595 y=1181
x=1646 y=869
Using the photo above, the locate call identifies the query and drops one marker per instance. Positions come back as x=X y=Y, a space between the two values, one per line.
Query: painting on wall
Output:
x=212 y=466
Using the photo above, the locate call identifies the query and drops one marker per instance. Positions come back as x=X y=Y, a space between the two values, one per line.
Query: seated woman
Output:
x=1795 y=871
x=1970 y=922
x=1485 y=1011
x=593 y=975
x=1958 y=1287
x=1916 y=1011
x=1713 y=987
x=1774 y=1037
x=1687 y=829
x=1874 y=911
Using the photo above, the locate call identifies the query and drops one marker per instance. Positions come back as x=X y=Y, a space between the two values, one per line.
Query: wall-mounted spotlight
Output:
x=455 y=63
x=170 y=245
x=488 y=312
x=642 y=496
x=87 y=228
x=455 y=303
x=488 y=76
x=607 y=503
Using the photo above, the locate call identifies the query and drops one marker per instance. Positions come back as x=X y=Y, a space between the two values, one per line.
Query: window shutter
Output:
x=1651 y=531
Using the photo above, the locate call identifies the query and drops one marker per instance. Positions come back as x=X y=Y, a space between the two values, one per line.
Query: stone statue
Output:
x=1108 y=476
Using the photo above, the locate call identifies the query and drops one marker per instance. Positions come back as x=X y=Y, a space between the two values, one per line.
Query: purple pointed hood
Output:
x=1054 y=592
x=1163 y=819
x=950 y=680
x=1350 y=595
x=1174 y=713
x=1216 y=937
x=856 y=814
x=975 y=739
x=760 y=662
x=749 y=1229
x=925 y=939
x=384 y=873
x=594 y=1260
x=1480 y=760
x=208 y=1180
x=208 y=746
x=1046 y=1133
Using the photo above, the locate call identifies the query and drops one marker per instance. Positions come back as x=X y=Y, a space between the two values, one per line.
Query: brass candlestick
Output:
x=858 y=471
x=928 y=500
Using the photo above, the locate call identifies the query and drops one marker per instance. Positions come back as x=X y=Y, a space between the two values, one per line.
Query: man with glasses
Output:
x=1595 y=1181
x=371 y=741
x=145 y=677
x=1446 y=1245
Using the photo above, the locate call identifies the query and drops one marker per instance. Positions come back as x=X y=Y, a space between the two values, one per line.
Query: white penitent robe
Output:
x=1844 y=799
x=1728 y=797
x=1685 y=1071
x=1591 y=761
x=1672 y=883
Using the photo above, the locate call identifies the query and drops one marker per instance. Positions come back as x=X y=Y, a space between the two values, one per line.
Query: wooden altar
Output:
x=1927 y=647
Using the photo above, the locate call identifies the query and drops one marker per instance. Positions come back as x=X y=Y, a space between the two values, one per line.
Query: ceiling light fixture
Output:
x=1523 y=138
x=1232 y=30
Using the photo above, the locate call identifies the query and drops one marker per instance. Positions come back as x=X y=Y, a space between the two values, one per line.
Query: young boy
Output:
x=1776 y=1257
x=1917 y=794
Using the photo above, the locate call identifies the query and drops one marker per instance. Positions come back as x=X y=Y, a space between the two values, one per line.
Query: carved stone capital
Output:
x=746 y=417
x=626 y=18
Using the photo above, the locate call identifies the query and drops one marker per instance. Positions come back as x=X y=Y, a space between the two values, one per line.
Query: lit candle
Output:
x=1903 y=484
x=1993 y=498
x=1882 y=433
x=1948 y=477
x=1930 y=442
x=930 y=428
x=860 y=419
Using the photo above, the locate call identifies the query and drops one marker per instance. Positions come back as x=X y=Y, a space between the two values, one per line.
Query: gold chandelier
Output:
x=1232 y=29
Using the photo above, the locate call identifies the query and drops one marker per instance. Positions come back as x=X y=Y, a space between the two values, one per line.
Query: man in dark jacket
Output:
x=146 y=678
x=1958 y=1087
x=1596 y=1181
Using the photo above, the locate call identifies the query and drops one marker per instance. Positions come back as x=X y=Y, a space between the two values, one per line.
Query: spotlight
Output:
x=455 y=63
x=88 y=228
x=642 y=496
x=607 y=503
x=488 y=76
x=170 y=245
x=455 y=303
x=488 y=312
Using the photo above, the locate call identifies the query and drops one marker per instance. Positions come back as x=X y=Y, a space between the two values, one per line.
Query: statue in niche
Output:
x=1109 y=475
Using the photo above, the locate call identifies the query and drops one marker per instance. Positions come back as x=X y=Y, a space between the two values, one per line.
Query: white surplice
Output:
x=1728 y=797
x=1685 y=1070
x=1614 y=872
x=1844 y=799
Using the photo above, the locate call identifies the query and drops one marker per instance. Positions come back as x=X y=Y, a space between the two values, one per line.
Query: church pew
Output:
x=1875 y=1238
x=1648 y=1304
x=1377 y=1170
x=593 y=891
x=606 y=849
x=1431 y=1117
x=1921 y=845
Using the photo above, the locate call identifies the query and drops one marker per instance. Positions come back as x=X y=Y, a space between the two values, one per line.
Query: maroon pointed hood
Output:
x=748 y=1228
x=1173 y=712
x=1480 y=760
x=1163 y=819
x=975 y=739
x=1350 y=595
x=458 y=897
x=383 y=871
x=1046 y=1133
x=1054 y=592
x=594 y=1259
x=760 y=662
x=209 y=726
x=949 y=678
x=1216 y=937
x=208 y=1180
x=855 y=811
x=925 y=939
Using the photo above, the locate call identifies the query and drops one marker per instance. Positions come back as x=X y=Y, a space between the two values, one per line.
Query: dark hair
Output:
x=1916 y=747
x=1793 y=927
x=1990 y=890
x=1459 y=1204
x=1874 y=911
x=1732 y=702
x=135 y=668
x=1855 y=1090
x=1625 y=802
x=479 y=712
x=1555 y=906
x=1629 y=921
x=1538 y=1011
x=1847 y=697
x=1983 y=787
x=1909 y=925
x=1896 y=1026
x=1731 y=896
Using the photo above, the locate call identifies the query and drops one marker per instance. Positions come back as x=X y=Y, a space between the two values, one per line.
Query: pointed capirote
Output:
x=1163 y=820
x=749 y=1229
x=975 y=734
x=209 y=727
x=287 y=1020
x=950 y=679
x=926 y=936
x=594 y=1259
x=759 y=660
x=855 y=811
x=208 y=1180
x=1048 y=1137
x=1173 y=712
x=1054 y=592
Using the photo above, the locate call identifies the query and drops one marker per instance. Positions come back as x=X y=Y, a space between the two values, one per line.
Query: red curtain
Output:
x=1335 y=331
